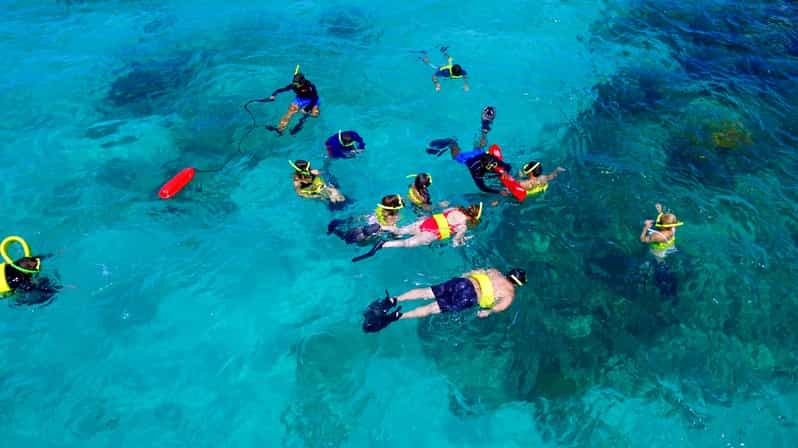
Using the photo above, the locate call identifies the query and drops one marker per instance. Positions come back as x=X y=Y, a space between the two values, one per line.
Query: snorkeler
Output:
x=661 y=238
x=306 y=101
x=309 y=184
x=418 y=191
x=489 y=289
x=387 y=213
x=448 y=71
x=19 y=275
x=452 y=222
x=536 y=183
x=344 y=144
x=488 y=115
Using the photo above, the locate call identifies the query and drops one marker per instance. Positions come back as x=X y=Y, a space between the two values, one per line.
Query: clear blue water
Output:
x=226 y=316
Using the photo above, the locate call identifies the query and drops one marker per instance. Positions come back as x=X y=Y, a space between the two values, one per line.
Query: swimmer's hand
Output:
x=483 y=313
x=560 y=169
x=649 y=222
x=437 y=87
x=465 y=87
x=271 y=98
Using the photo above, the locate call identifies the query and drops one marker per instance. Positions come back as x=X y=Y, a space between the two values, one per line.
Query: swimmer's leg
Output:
x=423 y=239
x=292 y=109
x=422 y=311
x=416 y=294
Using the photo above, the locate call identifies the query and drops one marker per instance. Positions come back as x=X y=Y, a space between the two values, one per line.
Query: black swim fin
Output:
x=370 y=253
x=274 y=129
x=333 y=225
x=382 y=305
x=299 y=124
x=375 y=322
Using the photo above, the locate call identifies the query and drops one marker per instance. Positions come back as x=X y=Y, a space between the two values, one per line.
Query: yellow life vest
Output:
x=539 y=188
x=315 y=187
x=486 y=299
x=4 y=288
x=415 y=198
x=663 y=245
x=449 y=67
x=443 y=226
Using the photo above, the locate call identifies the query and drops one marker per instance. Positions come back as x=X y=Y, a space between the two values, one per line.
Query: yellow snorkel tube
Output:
x=25 y=250
x=296 y=70
x=659 y=225
x=299 y=170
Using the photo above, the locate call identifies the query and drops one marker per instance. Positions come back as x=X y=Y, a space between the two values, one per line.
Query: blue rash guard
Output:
x=337 y=150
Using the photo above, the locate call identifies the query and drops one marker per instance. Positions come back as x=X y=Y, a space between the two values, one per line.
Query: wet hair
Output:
x=519 y=274
x=667 y=218
x=457 y=70
x=472 y=211
x=422 y=182
x=303 y=165
x=391 y=200
x=537 y=171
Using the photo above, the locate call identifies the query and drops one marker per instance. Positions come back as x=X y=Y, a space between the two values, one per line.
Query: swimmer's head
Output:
x=457 y=70
x=667 y=221
x=346 y=137
x=517 y=276
x=29 y=265
x=473 y=212
x=301 y=168
x=532 y=168
x=422 y=182
x=392 y=203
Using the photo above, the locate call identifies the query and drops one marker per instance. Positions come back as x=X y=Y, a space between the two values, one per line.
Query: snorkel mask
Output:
x=528 y=169
x=341 y=140
x=303 y=171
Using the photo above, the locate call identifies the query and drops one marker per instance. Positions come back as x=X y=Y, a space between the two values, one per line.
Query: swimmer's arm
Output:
x=501 y=305
x=645 y=237
x=435 y=81
x=465 y=82
x=298 y=190
x=284 y=89
x=360 y=143
x=552 y=175
x=459 y=236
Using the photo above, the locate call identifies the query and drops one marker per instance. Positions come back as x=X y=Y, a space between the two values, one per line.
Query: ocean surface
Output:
x=227 y=317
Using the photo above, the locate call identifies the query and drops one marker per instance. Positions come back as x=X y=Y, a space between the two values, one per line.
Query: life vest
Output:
x=486 y=299
x=414 y=197
x=315 y=187
x=4 y=288
x=538 y=188
x=449 y=67
x=444 y=231
x=662 y=245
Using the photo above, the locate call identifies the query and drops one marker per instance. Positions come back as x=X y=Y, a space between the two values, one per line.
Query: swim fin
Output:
x=299 y=124
x=274 y=129
x=375 y=322
x=333 y=225
x=370 y=253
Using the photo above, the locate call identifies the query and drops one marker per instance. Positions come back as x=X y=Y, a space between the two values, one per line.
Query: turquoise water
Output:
x=227 y=317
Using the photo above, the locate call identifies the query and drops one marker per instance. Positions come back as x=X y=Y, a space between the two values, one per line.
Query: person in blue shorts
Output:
x=448 y=71
x=306 y=101
x=344 y=145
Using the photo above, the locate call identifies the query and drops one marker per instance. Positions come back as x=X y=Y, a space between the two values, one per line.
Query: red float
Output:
x=175 y=184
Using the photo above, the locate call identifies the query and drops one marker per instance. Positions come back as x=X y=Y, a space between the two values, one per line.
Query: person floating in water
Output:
x=387 y=213
x=452 y=223
x=344 y=144
x=535 y=183
x=488 y=115
x=418 y=192
x=662 y=237
x=308 y=183
x=306 y=101
x=20 y=276
x=489 y=289
x=448 y=71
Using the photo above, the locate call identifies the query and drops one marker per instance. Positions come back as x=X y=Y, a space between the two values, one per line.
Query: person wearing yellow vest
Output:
x=535 y=183
x=308 y=183
x=489 y=289
x=451 y=223
x=449 y=71
x=19 y=275
x=418 y=192
x=660 y=234
x=387 y=213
